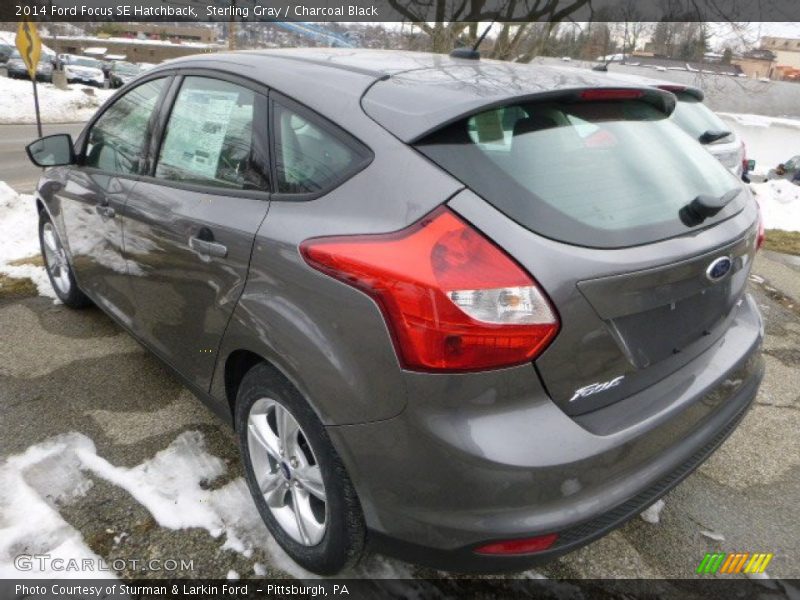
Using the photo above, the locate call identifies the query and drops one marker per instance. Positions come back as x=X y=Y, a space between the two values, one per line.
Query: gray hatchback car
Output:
x=473 y=314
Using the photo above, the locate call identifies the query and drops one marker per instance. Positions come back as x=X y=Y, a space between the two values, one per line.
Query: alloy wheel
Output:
x=56 y=259
x=287 y=472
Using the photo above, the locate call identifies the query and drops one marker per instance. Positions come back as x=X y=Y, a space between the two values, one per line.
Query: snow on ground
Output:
x=32 y=486
x=56 y=105
x=19 y=238
x=779 y=200
x=761 y=121
x=768 y=140
x=653 y=514
x=172 y=486
x=712 y=535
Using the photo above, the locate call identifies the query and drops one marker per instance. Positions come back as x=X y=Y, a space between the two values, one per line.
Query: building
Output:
x=135 y=50
x=646 y=59
x=157 y=31
x=756 y=63
x=786 y=51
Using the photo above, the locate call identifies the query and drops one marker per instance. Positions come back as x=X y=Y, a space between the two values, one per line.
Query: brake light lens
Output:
x=523 y=546
x=762 y=234
x=610 y=94
x=452 y=299
x=673 y=88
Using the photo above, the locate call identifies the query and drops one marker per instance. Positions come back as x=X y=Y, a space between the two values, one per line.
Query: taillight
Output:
x=610 y=94
x=762 y=234
x=523 y=546
x=452 y=299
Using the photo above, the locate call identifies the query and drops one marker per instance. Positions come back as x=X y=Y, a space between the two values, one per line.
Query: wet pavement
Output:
x=75 y=371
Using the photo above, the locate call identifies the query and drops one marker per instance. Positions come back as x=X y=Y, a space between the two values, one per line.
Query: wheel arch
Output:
x=237 y=364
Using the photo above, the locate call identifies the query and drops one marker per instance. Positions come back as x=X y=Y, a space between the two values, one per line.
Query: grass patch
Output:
x=35 y=261
x=11 y=287
x=787 y=242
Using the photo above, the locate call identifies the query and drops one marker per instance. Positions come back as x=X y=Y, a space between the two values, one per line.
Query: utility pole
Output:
x=232 y=27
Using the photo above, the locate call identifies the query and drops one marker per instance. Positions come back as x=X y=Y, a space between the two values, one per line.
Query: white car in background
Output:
x=82 y=69
x=700 y=122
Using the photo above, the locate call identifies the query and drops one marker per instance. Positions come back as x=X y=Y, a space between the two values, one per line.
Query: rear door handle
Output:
x=207 y=248
x=104 y=210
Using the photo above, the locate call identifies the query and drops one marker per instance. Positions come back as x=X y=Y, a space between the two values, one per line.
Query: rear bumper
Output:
x=483 y=457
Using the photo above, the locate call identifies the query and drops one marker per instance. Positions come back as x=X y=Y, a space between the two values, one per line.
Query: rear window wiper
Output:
x=704 y=206
x=713 y=135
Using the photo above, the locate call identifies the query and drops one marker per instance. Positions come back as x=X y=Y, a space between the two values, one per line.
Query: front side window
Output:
x=210 y=138
x=309 y=158
x=596 y=173
x=116 y=142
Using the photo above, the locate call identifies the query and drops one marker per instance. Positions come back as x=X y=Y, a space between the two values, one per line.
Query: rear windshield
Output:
x=604 y=174
x=695 y=118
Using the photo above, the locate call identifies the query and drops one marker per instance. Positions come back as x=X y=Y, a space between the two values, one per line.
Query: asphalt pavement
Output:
x=15 y=167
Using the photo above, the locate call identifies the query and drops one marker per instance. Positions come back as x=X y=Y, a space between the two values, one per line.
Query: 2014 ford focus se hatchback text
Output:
x=469 y=313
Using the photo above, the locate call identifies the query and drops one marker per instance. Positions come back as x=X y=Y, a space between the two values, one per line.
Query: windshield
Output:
x=601 y=174
x=695 y=118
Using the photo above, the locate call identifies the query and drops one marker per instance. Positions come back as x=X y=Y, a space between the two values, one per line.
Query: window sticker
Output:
x=198 y=127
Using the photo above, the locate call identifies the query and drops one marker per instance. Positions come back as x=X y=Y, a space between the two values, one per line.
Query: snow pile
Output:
x=712 y=535
x=779 y=200
x=19 y=238
x=768 y=140
x=56 y=106
x=653 y=514
x=32 y=486
x=760 y=120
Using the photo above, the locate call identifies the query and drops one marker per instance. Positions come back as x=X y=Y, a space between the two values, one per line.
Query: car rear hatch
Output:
x=600 y=185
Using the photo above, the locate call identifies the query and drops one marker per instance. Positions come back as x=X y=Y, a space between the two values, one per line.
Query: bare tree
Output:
x=445 y=21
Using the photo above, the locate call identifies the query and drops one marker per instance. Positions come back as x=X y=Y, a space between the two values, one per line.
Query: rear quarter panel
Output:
x=326 y=337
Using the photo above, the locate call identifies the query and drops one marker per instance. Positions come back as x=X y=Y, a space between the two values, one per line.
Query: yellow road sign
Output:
x=29 y=45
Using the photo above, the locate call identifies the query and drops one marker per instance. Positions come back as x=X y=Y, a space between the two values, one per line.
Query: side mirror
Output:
x=751 y=164
x=52 y=151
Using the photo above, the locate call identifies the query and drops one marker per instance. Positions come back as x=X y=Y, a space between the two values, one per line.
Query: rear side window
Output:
x=602 y=174
x=311 y=156
x=210 y=137
x=116 y=141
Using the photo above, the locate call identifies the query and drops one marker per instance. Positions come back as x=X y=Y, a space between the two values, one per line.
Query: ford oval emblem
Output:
x=719 y=268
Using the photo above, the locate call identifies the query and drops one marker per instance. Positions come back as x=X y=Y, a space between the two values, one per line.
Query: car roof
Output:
x=409 y=93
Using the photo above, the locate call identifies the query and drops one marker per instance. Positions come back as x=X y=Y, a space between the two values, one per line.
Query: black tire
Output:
x=343 y=543
x=74 y=298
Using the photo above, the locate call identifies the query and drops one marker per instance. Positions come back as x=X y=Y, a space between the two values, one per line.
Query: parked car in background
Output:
x=788 y=170
x=121 y=73
x=6 y=50
x=18 y=70
x=700 y=122
x=475 y=314
x=82 y=69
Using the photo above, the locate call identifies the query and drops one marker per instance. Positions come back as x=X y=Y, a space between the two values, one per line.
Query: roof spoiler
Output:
x=663 y=100
x=685 y=89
